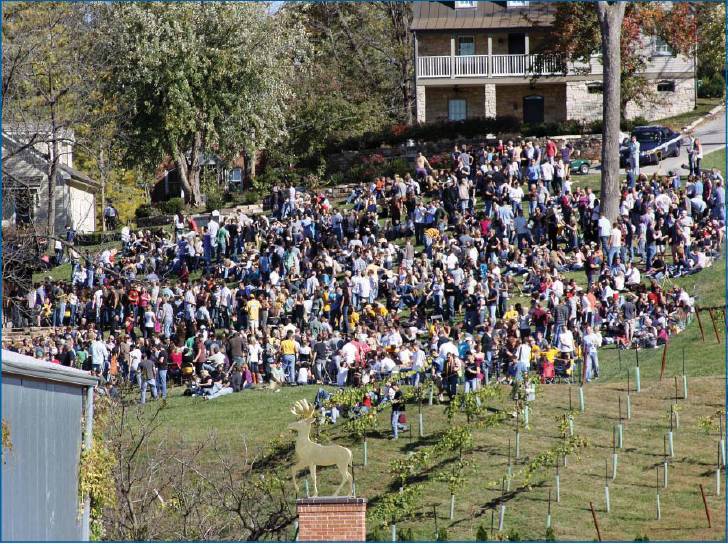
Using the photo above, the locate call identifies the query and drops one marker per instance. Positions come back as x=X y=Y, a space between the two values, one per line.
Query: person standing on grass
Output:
x=149 y=376
x=592 y=341
x=289 y=350
x=398 y=408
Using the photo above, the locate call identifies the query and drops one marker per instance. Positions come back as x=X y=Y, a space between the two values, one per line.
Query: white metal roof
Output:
x=24 y=365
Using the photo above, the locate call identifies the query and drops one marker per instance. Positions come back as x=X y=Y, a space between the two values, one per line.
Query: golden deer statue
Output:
x=309 y=454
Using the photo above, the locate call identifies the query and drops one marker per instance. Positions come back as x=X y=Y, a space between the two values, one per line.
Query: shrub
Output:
x=712 y=86
x=481 y=535
x=145 y=210
x=406 y=535
x=641 y=538
x=629 y=124
x=214 y=201
x=172 y=206
x=550 y=535
x=442 y=535
x=513 y=536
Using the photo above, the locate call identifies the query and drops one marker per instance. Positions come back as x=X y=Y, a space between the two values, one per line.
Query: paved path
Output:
x=712 y=134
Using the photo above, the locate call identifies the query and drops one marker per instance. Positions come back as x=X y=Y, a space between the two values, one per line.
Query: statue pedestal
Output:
x=332 y=519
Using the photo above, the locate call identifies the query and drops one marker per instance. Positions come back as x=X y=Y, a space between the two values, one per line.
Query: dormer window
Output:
x=517 y=4
x=466 y=5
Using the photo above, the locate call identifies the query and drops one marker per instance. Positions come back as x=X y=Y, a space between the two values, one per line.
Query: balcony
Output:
x=489 y=66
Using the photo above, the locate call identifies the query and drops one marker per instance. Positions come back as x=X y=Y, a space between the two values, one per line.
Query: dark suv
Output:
x=656 y=143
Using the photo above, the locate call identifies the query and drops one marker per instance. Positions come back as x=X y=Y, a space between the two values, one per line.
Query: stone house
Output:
x=480 y=59
x=25 y=186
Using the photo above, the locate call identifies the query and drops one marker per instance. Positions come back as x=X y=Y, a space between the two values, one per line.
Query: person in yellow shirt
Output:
x=253 y=308
x=289 y=350
x=510 y=314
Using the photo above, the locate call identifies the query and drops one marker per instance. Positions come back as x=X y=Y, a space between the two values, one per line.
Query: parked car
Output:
x=580 y=166
x=656 y=143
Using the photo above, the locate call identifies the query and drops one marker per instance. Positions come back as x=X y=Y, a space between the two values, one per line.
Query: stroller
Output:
x=564 y=369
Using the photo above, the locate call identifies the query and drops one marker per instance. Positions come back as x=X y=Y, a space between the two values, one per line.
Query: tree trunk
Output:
x=189 y=171
x=52 y=173
x=610 y=22
x=102 y=171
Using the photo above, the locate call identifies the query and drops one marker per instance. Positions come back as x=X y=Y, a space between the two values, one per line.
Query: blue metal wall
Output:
x=40 y=474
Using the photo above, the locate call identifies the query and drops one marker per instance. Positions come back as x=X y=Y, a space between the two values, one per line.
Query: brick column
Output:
x=332 y=519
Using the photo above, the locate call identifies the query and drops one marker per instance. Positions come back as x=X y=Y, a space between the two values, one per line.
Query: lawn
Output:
x=256 y=417
x=702 y=107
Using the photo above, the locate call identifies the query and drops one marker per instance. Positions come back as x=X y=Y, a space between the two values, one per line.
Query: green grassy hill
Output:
x=261 y=416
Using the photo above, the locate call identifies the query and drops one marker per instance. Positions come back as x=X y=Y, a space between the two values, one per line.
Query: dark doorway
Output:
x=533 y=109
x=517 y=44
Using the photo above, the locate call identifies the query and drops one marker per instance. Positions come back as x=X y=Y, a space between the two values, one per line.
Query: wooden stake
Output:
x=705 y=504
x=664 y=361
x=700 y=323
x=715 y=328
x=596 y=522
x=675 y=388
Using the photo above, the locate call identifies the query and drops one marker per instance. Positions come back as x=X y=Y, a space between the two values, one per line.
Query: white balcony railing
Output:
x=433 y=66
x=471 y=65
x=488 y=66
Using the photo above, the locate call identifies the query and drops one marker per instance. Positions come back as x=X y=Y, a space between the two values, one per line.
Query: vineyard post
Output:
x=705 y=504
x=432 y=391
x=619 y=354
x=629 y=399
x=558 y=481
x=717 y=482
x=518 y=437
x=637 y=372
x=305 y=485
x=596 y=523
x=502 y=512
x=620 y=427
x=657 y=488
x=614 y=454
x=394 y=532
x=548 y=512
x=664 y=461
x=700 y=323
x=669 y=436
x=581 y=398
x=366 y=442
x=684 y=376
x=570 y=408
x=606 y=486
x=715 y=328
x=721 y=444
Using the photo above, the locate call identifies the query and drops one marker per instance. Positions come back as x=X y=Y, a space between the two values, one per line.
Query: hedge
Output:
x=471 y=128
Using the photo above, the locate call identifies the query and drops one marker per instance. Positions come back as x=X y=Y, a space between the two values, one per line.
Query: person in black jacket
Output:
x=398 y=409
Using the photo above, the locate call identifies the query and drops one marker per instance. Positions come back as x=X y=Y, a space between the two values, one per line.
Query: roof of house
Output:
x=486 y=15
x=39 y=160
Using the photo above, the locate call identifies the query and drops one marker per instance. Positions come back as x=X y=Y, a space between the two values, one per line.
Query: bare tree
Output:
x=610 y=16
x=201 y=491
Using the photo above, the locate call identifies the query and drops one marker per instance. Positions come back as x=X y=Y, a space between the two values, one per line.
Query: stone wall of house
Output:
x=490 y=100
x=509 y=100
x=665 y=104
x=436 y=101
x=581 y=104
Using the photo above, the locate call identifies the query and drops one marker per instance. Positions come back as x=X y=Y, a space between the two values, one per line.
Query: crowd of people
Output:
x=495 y=267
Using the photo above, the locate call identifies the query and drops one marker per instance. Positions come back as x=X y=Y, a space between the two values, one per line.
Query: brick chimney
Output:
x=327 y=519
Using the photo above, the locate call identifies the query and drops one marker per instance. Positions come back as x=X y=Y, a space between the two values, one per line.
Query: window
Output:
x=595 y=88
x=465 y=5
x=517 y=4
x=236 y=175
x=660 y=48
x=666 y=86
x=466 y=45
x=456 y=109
